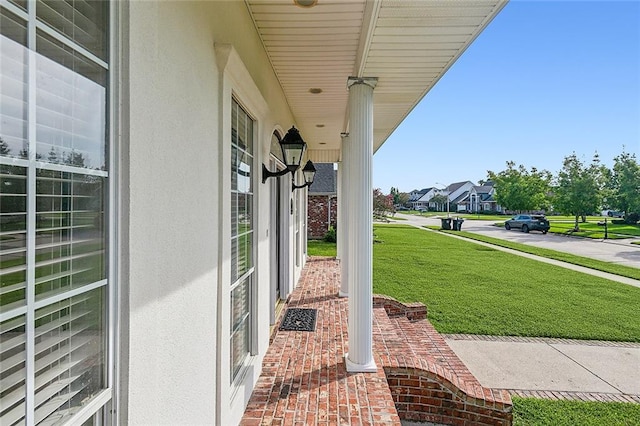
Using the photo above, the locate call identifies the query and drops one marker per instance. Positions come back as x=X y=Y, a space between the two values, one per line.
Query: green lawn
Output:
x=425 y=214
x=321 y=248
x=625 y=271
x=469 y=288
x=541 y=412
x=593 y=230
x=589 y=229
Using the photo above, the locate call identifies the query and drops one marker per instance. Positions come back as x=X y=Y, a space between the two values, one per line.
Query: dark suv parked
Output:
x=528 y=223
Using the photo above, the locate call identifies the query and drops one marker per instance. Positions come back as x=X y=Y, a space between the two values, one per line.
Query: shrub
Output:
x=330 y=235
x=632 y=218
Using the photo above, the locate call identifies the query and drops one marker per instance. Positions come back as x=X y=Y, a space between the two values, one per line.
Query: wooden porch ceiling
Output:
x=407 y=44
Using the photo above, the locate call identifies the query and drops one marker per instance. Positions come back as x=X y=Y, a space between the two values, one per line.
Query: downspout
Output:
x=328 y=212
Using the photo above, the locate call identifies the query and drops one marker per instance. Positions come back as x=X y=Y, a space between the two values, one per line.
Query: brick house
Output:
x=322 y=210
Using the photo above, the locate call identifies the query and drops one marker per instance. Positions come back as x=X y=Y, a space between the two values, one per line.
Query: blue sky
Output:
x=545 y=79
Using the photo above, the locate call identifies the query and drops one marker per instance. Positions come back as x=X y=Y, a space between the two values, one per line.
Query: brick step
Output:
x=428 y=382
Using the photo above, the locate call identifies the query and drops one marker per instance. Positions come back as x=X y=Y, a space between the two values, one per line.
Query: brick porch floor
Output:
x=304 y=380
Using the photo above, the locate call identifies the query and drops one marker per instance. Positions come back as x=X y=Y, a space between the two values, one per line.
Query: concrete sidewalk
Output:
x=553 y=368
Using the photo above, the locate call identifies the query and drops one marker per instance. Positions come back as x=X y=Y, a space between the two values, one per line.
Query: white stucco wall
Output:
x=173 y=225
x=175 y=289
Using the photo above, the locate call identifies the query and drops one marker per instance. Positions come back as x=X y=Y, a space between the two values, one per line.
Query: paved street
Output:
x=614 y=251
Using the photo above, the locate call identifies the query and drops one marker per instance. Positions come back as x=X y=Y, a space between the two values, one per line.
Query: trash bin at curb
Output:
x=457 y=224
x=446 y=223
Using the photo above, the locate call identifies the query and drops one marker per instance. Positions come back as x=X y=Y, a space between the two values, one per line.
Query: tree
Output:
x=75 y=159
x=394 y=193
x=518 y=189
x=577 y=191
x=403 y=198
x=625 y=185
x=4 y=147
x=53 y=156
x=440 y=200
x=382 y=204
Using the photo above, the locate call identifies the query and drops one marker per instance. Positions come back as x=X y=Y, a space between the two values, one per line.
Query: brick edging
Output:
x=547 y=340
x=428 y=381
x=575 y=396
x=414 y=311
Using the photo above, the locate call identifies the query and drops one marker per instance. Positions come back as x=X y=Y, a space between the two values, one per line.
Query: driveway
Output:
x=614 y=251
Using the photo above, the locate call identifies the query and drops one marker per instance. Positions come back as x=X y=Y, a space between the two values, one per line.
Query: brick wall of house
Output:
x=321 y=209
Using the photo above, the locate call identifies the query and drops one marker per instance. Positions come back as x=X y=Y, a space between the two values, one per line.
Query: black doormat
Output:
x=299 y=319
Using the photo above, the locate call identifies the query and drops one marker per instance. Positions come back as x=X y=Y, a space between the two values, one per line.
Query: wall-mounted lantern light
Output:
x=309 y=172
x=293 y=148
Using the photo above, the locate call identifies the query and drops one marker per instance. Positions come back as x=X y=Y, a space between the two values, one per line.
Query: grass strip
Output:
x=612 y=268
x=321 y=248
x=471 y=288
x=541 y=412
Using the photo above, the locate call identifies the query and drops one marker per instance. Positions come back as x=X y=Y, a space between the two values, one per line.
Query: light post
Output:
x=444 y=187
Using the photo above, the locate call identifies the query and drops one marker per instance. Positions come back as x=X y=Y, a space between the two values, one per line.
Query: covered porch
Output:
x=305 y=381
x=351 y=72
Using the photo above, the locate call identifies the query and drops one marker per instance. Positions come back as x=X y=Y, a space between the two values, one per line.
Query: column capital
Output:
x=369 y=81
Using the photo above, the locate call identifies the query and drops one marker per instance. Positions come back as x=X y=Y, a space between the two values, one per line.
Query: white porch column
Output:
x=360 y=193
x=343 y=217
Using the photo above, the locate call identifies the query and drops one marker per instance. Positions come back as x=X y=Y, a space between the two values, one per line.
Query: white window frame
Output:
x=235 y=83
x=251 y=272
x=98 y=407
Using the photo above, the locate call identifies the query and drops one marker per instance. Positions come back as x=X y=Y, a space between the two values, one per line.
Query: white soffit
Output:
x=408 y=45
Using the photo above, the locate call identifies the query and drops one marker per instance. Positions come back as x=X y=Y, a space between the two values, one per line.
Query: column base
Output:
x=342 y=294
x=352 y=367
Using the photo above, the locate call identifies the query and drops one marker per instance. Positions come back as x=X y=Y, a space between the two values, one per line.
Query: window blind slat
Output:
x=11 y=288
x=62 y=352
x=12 y=324
x=45 y=405
x=48 y=310
x=13 y=398
x=14 y=416
x=12 y=269
x=17 y=377
x=53 y=404
x=56 y=340
x=59 y=322
x=7 y=252
x=48 y=376
x=6 y=233
x=57 y=13
x=59 y=275
x=13 y=343
x=12 y=379
x=68 y=258
x=66 y=242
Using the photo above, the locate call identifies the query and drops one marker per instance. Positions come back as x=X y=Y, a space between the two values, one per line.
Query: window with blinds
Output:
x=242 y=265
x=54 y=286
